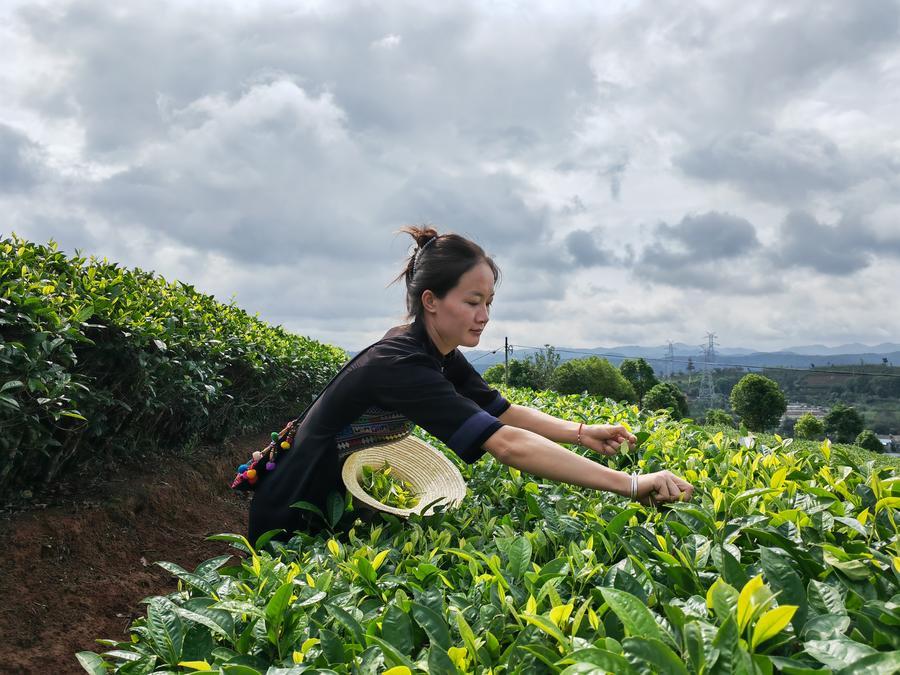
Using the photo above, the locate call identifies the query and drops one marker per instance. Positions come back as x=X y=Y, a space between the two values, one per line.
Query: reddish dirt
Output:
x=77 y=560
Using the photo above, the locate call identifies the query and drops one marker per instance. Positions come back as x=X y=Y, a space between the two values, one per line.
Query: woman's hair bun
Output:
x=422 y=234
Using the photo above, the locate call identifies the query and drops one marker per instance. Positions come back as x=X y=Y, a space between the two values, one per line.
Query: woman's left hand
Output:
x=606 y=438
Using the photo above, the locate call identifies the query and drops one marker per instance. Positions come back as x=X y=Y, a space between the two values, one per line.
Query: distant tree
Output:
x=533 y=371
x=884 y=361
x=868 y=440
x=666 y=395
x=758 y=401
x=594 y=375
x=640 y=374
x=521 y=373
x=543 y=364
x=494 y=374
x=809 y=426
x=717 y=416
x=844 y=423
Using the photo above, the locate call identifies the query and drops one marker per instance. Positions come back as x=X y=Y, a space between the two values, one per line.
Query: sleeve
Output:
x=413 y=387
x=471 y=384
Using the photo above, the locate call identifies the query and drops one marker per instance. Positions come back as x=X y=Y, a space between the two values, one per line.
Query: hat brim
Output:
x=432 y=476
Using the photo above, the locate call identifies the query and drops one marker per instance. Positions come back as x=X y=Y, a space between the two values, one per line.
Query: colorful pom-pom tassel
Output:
x=285 y=445
x=275 y=436
x=257 y=455
x=270 y=466
x=251 y=474
x=243 y=467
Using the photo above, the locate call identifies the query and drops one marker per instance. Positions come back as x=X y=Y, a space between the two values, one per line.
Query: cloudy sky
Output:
x=641 y=172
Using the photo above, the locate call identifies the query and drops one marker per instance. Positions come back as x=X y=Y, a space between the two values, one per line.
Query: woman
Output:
x=416 y=372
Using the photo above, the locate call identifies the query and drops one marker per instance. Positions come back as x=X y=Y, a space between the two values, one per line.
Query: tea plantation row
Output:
x=97 y=361
x=787 y=560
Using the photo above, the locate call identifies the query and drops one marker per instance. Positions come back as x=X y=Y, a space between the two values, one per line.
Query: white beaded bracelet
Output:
x=634 y=485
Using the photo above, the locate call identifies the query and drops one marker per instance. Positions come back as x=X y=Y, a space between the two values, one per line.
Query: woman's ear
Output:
x=428 y=301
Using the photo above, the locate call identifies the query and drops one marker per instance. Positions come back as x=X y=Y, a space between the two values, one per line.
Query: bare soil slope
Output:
x=78 y=559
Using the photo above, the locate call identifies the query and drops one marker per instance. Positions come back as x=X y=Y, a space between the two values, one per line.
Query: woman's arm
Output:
x=539 y=456
x=601 y=438
x=541 y=423
x=534 y=453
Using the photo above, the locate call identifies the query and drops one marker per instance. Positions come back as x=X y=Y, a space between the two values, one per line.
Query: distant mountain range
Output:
x=794 y=357
x=852 y=348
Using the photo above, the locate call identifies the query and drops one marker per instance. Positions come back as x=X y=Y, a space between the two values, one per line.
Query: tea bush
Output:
x=98 y=360
x=786 y=560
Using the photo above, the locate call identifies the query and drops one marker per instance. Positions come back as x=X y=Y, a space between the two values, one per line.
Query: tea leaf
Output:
x=633 y=614
x=771 y=623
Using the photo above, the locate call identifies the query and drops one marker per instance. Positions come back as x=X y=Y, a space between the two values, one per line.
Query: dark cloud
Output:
x=21 y=161
x=710 y=236
x=693 y=253
x=840 y=249
x=582 y=246
x=778 y=166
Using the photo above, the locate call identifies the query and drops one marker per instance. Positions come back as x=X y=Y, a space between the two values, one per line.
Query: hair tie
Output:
x=419 y=252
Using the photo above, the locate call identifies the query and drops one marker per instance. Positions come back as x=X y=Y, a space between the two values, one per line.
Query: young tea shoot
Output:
x=388 y=488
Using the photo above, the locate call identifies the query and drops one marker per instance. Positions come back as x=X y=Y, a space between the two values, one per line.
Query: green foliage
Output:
x=758 y=401
x=868 y=440
x=844 y=423
x=521 y=374
x=717 y=416
x=543 y=363
x=494 y=374
x=596 y=376
x=534 y=371
x=387 y=488
x=865 y=388
x=640 y=374
x=667 y=395
x=785 y=561
x=97 y=360
x=809 y=426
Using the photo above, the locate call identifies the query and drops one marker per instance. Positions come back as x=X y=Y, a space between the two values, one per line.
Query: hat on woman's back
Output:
x=432 y=475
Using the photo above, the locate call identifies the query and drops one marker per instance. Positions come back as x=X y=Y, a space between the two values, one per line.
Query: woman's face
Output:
x=460 y=316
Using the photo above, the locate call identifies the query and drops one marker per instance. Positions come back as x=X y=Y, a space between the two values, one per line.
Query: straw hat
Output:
x=431 y=474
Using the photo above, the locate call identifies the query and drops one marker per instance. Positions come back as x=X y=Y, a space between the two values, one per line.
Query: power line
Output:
x=719 y=363
x=477 y=358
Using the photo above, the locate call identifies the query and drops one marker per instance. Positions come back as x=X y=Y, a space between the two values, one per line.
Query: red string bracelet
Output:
x=578 y=440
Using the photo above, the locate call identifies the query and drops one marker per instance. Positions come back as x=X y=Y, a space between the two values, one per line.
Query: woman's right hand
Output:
x=661 y=487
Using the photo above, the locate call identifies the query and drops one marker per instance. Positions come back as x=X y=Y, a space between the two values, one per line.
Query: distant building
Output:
x=796 y=410
x=890 y=443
